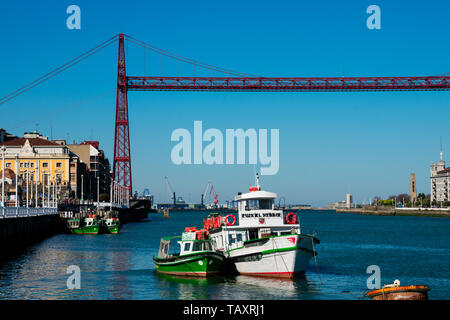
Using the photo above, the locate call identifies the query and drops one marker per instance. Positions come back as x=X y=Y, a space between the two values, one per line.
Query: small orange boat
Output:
x=399 y=293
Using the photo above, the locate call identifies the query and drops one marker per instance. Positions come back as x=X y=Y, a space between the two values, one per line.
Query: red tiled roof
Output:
x=33 y=142
x=445 y=170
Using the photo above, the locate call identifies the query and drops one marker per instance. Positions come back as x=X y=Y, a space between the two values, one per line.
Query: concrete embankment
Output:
x=17 y=233
x=383 y=211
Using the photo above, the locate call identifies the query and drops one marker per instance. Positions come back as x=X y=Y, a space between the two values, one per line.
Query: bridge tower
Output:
x=122 y=159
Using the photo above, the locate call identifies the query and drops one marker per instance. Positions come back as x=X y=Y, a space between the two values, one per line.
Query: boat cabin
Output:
x=257 y=218
x=191 y=242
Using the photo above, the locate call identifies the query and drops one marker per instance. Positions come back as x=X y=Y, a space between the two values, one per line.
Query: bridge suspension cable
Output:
x=185 y=59
x=58 y=70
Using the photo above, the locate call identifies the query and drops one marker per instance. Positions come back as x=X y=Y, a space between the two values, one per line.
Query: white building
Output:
x=344 y=204
x=439 y=181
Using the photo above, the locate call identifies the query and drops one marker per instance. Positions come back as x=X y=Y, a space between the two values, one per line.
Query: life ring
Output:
x=230 y=223
x=293 y=220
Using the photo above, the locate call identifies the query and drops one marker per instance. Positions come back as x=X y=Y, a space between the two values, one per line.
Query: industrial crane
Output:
x=215 y=196
x=169 y=187
x=203 y=196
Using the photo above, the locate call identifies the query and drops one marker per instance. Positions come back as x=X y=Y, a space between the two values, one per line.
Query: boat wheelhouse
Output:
x=262 y=240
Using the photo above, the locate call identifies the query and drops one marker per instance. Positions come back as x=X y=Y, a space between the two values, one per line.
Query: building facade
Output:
x=38 y=163
x=439 y=182
x=96 y=172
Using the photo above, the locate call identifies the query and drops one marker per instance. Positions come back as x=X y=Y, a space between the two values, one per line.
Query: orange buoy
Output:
x=400 y=293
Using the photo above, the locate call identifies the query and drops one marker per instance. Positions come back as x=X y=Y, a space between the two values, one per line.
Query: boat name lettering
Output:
x=259 y=215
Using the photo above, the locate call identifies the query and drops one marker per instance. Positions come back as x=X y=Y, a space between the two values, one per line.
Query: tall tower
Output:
x=412 y=189
x=122 y=159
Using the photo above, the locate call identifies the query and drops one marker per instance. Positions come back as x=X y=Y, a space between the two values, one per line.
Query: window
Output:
x=261 y=204
x=8 y=165
x=239 y=237
x=59 y=164
x=21 y=164
x=197 y=246
x=44 y=164
x=187 y=246
x=207 y=246
x=265 y=204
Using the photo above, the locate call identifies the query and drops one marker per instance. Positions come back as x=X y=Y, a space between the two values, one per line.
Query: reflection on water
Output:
x=412 y=249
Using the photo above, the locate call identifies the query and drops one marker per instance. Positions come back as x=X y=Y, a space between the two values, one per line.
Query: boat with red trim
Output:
x=262 y=240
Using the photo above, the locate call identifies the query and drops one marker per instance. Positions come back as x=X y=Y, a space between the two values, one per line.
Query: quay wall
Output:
x=26 y=227
x=382 y=211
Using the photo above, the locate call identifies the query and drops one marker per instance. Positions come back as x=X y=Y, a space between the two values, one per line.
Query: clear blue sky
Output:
x=366 y=144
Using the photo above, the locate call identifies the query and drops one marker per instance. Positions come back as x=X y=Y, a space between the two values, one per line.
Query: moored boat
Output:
x=397 y=292
x=111 y=225
x=195 y=258
x=262 y=240
x=88 y=225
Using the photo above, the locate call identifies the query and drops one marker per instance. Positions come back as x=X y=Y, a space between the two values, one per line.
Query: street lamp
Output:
x=17 y=179
x=3 y=175
x=98 y=190
x=82 y=194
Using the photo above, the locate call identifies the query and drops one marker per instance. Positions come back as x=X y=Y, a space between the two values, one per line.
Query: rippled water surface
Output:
x=412 y=249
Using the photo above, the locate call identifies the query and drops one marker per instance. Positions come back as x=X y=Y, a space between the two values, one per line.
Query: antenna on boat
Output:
x=257 y=182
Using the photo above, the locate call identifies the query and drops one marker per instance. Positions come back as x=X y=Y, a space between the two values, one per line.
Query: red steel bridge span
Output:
x=233 y=81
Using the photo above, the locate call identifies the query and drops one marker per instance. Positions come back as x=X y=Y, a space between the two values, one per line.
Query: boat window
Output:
x=207 y=246
x=197 y=246
x=265 y=204
x=239 y=237
x=260 y=204
x=252 y=233
x=231 y=240
x=187 y=246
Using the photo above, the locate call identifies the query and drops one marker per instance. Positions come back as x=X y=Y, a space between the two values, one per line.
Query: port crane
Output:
x=215 y=196
x=169 y=187
x=203 y=195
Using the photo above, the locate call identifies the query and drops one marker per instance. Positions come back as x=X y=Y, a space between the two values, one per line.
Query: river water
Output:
x=414 y=250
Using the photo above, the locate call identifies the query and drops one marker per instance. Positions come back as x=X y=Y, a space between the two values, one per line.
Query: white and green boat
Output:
x=84 y=226
x=196 y=256
x=111 y=225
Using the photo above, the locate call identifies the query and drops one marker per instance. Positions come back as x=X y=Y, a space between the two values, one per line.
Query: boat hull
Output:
x=400 y=293
x=195 y=265
x=89 y=230
x=113 y=229
x=278 y=257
